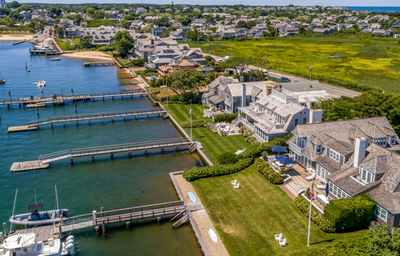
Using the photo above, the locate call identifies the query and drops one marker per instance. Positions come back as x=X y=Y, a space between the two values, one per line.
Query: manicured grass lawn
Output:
x=215 y=145
x=363 y=60
x=248 y=218
x=65 y=44
x=180 y=112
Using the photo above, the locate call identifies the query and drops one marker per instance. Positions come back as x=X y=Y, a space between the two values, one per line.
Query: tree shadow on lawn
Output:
x=323 y=241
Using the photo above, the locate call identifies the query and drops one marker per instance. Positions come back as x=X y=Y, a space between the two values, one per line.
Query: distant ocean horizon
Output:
x=375 y=8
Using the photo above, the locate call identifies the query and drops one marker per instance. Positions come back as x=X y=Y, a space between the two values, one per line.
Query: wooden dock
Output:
x=61 y=99
x=100 y=219
x=34 y=125
x=96 y=64
x=19 y=42
x=93 y=151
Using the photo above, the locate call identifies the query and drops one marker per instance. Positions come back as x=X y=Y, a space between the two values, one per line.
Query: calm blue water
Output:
x=87 y=186
x=375 y=8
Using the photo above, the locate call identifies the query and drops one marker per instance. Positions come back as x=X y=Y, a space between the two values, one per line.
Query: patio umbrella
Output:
x=286 y=160
x=280 y=149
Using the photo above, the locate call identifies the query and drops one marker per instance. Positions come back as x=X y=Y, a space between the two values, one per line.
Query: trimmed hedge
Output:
x=304 y=206
x=228 y=158
x=225 y=117
x=195 y=123
x=351 y=213
x=269 y=173
x=216 y=170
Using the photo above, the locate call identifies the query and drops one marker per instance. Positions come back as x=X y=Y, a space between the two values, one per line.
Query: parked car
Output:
x=285 y=79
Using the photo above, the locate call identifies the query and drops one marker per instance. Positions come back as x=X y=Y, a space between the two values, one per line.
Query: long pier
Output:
x=100 y=219
x=34 y=125
x=45 y=160
x=60 y=99
x=100 y=63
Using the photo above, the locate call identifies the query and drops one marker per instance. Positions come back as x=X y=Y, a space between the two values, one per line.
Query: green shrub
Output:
x=216 y=170
x=304 y=206
x=351 y=213
x=227 y=158
x=265 y=169
x=195 y=123
x=174 y=98
x=186 y=98
x=225 y=118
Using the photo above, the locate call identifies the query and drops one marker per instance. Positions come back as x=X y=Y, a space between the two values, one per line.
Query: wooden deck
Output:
x=60 y=99
x=93 y=151
x=96 y=64
x=24 y=128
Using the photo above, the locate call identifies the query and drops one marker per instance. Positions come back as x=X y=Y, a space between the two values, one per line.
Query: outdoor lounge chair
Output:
x=234 y=182
x=236 y=186
x=283 y=242
x=311 y=177
x=278 y=237
x=321 y=186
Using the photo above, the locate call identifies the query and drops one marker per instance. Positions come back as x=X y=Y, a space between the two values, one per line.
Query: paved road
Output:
x=334 y=91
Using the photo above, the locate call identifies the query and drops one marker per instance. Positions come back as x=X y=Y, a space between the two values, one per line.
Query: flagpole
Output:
x=191 y=121
x=309 y=217
x=166 y=89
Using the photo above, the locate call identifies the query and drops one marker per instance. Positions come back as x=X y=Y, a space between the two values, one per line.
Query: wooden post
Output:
x=125 y=118
x=71 y=161
x=145 y=152
x=103 y=227
x=37 y=111
x=162 y=150
x=93 y=159
x=130 y=154
x=112 y=97
x=89 y=122
x=76 y=123
x=51 y=125
x=148 y=116
x=136 y=117
x=177 y=148
x=102 y=210
x=112 y=119
x=64 y=124
x=94 y=218
x=112 y=156
x=5 y=229
x=60 y=230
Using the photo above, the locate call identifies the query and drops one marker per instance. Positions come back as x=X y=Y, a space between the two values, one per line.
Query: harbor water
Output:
x=86 y=186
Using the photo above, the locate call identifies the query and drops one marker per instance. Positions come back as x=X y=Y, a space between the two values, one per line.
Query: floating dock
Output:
x=24 y=128
x=28 y=166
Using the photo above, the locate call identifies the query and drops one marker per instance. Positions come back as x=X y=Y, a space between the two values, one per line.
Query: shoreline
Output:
x=15 y=37
x=94 y=55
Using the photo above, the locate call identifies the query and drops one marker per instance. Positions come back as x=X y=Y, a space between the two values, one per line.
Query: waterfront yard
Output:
x=247 y=219
x=214 y=144
x=342 y=60
x=65 y=44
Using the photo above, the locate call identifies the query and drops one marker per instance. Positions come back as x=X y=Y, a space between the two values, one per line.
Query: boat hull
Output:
x=45 y=218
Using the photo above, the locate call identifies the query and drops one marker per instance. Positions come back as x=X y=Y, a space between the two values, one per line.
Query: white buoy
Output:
x=29 y=70
x=30 y=64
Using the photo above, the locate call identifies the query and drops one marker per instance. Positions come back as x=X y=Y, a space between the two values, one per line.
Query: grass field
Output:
x=364 y=60
x=247 y=219
x=214 y=144
x=65 y=44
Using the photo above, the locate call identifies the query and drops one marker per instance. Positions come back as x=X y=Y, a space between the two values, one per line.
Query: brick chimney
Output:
x=269 y=90
x=152 y=41
x=279 y=88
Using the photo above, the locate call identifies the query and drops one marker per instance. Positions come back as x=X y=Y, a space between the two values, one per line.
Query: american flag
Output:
x=312 y=193
x=166 y=86
x=190 y=110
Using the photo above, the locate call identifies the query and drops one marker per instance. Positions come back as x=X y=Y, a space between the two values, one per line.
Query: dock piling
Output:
x=130 y=154
x=128 y=223
x=93 y=159
x=177 y=148
x=5 y=229
x=145 y=152
x=71 y=160
x=162 y=150
x=112 y=156
x=60 y=230
x=37 y=111
x=103 y=227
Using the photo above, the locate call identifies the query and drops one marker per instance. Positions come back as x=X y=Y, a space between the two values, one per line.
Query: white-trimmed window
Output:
x=322 y=172
x=318 y=148
x=334 y=155
x=381 y=212
x=392 y=140
x=336 y=191
x=366 y=176
x=380 y=141
x=296 y=121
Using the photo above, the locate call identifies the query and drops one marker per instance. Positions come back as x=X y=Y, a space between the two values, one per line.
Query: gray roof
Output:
x=302 y=86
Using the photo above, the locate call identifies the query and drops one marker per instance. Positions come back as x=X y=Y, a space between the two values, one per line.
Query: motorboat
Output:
x=35 y=218
x=41 y=83
x=26 y=244
x=54 y=59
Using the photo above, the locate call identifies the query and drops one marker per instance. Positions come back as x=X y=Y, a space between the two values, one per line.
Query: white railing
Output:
x=296 y=148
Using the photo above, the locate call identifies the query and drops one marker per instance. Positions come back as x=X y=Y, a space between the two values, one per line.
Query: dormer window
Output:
x=380 y=141
x=366 y=176
x=392 y=140
x=334 y=155
x=318 y=148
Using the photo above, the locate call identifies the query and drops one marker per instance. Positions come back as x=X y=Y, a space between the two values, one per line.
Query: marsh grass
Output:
x=366 y=61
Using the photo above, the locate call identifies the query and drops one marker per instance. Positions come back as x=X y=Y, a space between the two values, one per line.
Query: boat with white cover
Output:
x=27 y=245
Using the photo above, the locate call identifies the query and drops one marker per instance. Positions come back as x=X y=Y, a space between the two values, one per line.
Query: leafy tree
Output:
x=90 y=10
x=55 y=11
x=86 y=42
x=164 y=22
x=98 y=15
x=241 y=24
x=251 y=24
x=14 y=4
x=125 y=24
x=238 y=63
x=194 y=35
x=124 y=42
x=187 y=82
x=59 y=31
x=227 y=158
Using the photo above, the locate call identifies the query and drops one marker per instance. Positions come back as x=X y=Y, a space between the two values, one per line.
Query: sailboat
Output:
x=2 y=81
x=37 y=218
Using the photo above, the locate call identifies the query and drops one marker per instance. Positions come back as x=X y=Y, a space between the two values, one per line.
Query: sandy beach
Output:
x=88 y=55
x=15 y=37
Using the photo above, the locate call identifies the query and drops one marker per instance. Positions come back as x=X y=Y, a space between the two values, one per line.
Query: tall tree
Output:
x=187 y=82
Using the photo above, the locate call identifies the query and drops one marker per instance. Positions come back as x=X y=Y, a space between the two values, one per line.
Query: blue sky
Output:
x=230 y=2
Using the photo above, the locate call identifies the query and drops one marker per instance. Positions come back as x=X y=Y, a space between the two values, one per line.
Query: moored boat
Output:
x=2 y=81
x=39 y=218
x=54 y=59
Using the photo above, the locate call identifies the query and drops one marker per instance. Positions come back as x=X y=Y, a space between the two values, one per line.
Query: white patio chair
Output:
x=236 y=186
x=311 y=177
x=233 y=182
x=321 y=186
x=278 y=237
x=282 y=243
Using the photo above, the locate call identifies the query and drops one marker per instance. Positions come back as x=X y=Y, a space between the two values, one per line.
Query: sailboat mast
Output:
x=55 y=186
x=35 y=197
x=15 y=201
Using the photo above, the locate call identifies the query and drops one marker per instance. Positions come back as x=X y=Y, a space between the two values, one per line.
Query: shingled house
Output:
x=354 y=156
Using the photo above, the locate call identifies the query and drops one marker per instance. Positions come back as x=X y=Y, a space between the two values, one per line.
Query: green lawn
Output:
x=214 y=144
x=247 y=219
x=180 y=112
x=65 y=44
x=363 y=60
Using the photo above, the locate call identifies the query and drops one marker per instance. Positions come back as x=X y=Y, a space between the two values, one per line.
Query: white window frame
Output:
x=336 y=191
x=334 y=155
x=318 y=148
x=381 y=212
x=366 y=176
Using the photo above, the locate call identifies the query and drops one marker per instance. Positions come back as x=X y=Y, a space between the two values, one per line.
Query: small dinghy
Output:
x=54 y=59
x=39 y=218
x=41 y=83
